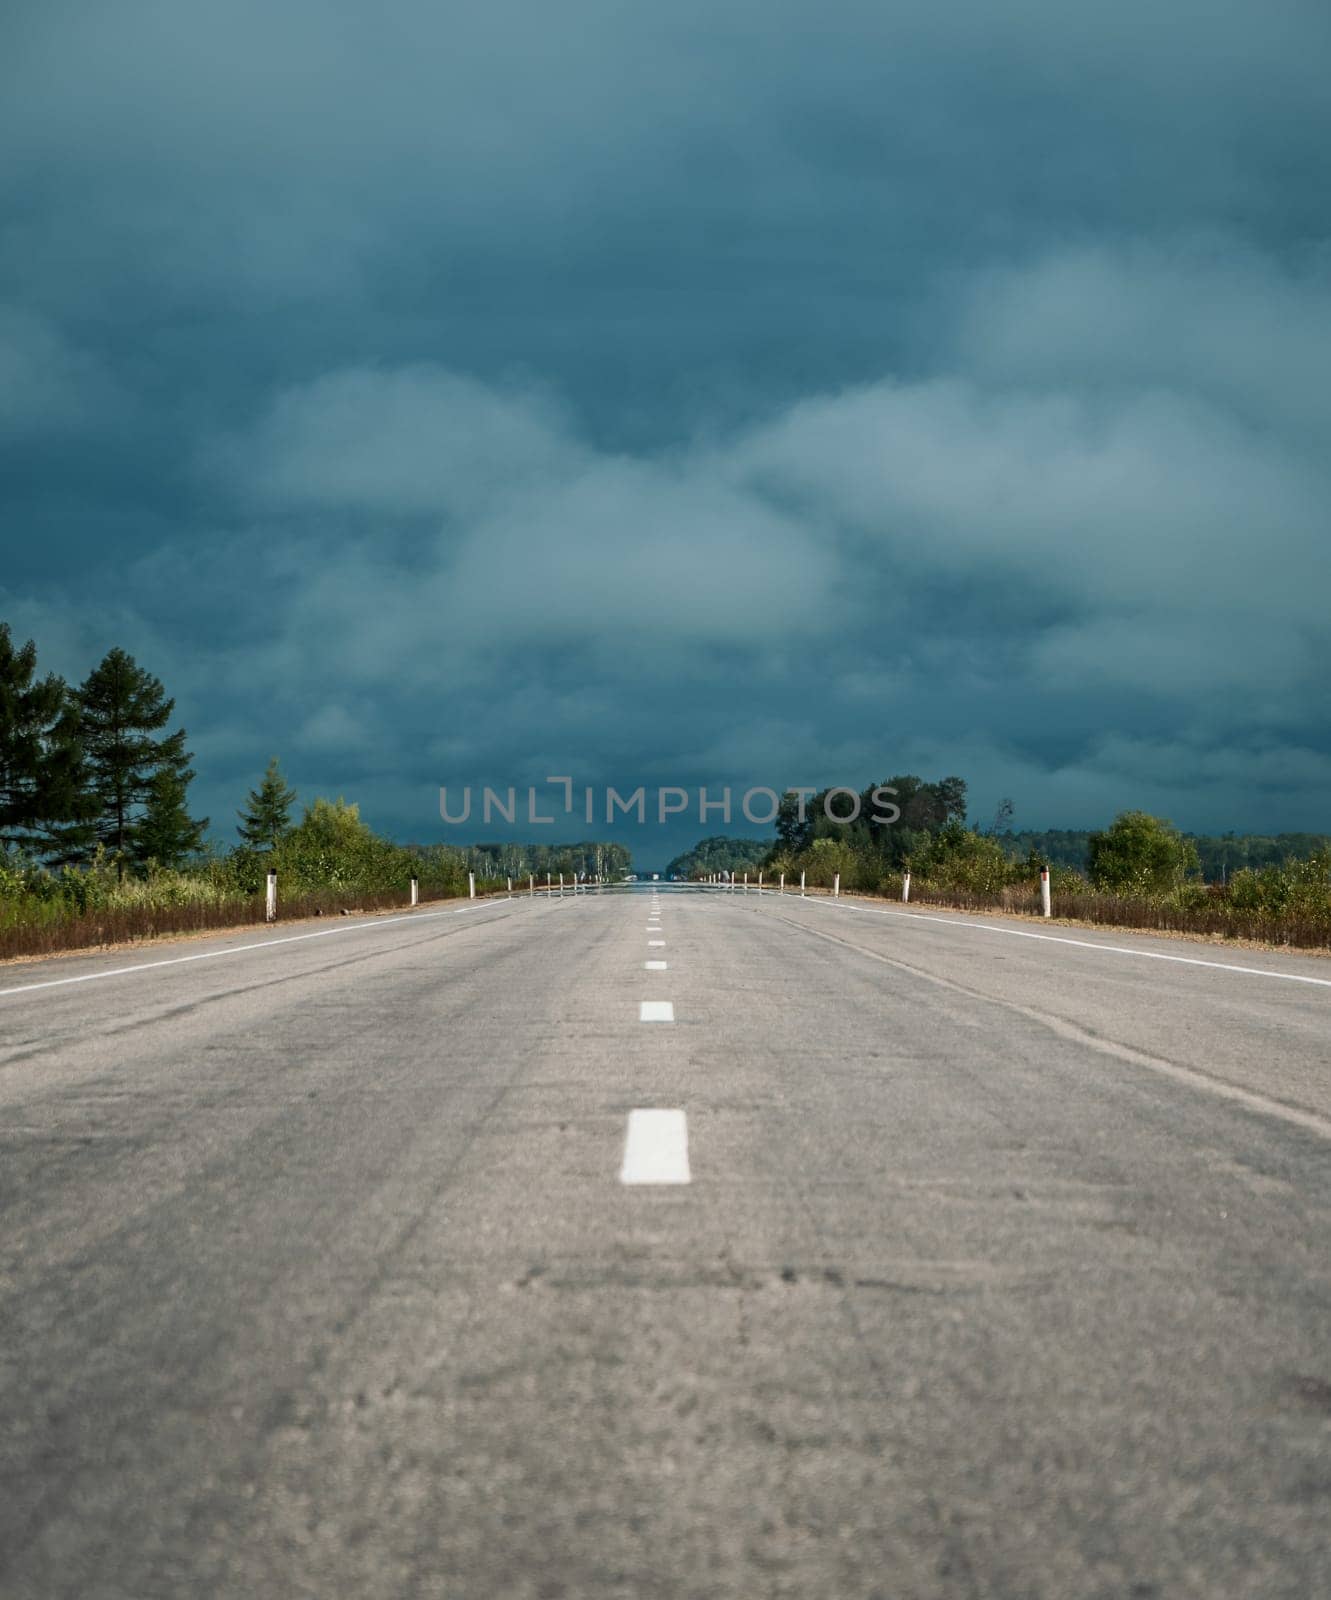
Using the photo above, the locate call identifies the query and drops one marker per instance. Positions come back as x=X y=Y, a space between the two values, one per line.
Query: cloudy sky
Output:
x=750 y=392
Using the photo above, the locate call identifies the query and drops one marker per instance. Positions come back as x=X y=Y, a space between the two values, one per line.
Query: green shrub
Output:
x=1139 y=854
x=957 y=858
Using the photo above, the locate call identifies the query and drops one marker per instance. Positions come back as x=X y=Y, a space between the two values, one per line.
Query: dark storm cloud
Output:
x=739 y=393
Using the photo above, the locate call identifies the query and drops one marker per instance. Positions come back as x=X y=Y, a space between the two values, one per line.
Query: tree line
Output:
x=719 y=854
x=588 y=858
x=94 y=774
x=1219 y=855
x=870 y=838
x=92 y=767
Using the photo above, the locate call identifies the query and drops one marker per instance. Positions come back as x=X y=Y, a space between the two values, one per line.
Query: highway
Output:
x=351 y=1261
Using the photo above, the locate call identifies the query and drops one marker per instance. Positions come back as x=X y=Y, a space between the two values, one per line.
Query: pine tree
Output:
x=267 y=814
x=121 y=708
x=166 y=833
x=43 y=804
x=66 y=831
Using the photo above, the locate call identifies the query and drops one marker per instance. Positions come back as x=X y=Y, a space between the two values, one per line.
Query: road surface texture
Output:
x=965 y=1263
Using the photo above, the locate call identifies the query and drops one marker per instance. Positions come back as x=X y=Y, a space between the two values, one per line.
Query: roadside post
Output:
x=471 y=886
x=415 y=891
x=270 y=905
x=905 y=887
x=1046 y=908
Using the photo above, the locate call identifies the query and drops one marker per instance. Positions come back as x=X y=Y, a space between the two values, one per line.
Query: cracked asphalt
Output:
x=1004 y=1268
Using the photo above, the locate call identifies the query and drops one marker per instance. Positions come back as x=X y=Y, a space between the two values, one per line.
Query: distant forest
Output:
x=1220 y=855
x=720 y=854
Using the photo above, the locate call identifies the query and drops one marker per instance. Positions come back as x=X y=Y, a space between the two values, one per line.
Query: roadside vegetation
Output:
x=719 y=854
x=1219 y=856
x=1140 y=872
x=98 y=845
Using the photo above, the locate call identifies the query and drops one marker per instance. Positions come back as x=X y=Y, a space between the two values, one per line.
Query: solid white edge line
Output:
x=1299 y=1116
x=1083 y=944
x=239 y=949
x=656 y=1148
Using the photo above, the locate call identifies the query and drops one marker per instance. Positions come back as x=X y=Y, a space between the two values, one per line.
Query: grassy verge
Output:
x=1286 y=929
x=131 y=922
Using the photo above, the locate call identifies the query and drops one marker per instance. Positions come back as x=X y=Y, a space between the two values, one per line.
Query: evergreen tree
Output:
x=166 y=833
x=122 y=707
x=43 y=806
x=267 y=814
x=66 y=830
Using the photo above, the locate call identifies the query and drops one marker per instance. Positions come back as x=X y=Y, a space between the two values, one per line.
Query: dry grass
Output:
x=133 y=924
x=1216 y=922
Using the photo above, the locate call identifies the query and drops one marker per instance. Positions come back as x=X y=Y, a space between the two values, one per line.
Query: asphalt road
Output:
x=330 y=1267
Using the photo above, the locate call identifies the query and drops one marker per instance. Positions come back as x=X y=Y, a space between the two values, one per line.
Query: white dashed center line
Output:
x=656 y=1011
x=655 y=966
x=656 y=1148
x=656 y=944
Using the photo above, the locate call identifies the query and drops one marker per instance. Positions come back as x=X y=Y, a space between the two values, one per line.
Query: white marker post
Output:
x=1046 y=909
x=561 y=885
x=746 y=883
x=905 y=887
x=510 y=888
x=836 y=885
x=471 y=886
x=270 y=904
x=760 y=883
x=531 y=885
x=783 y=883
x=801 y=883
x=415 y=891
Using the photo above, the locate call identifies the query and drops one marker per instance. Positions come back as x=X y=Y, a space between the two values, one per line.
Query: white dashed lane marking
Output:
x=656 y=1011
x=656 y=1148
